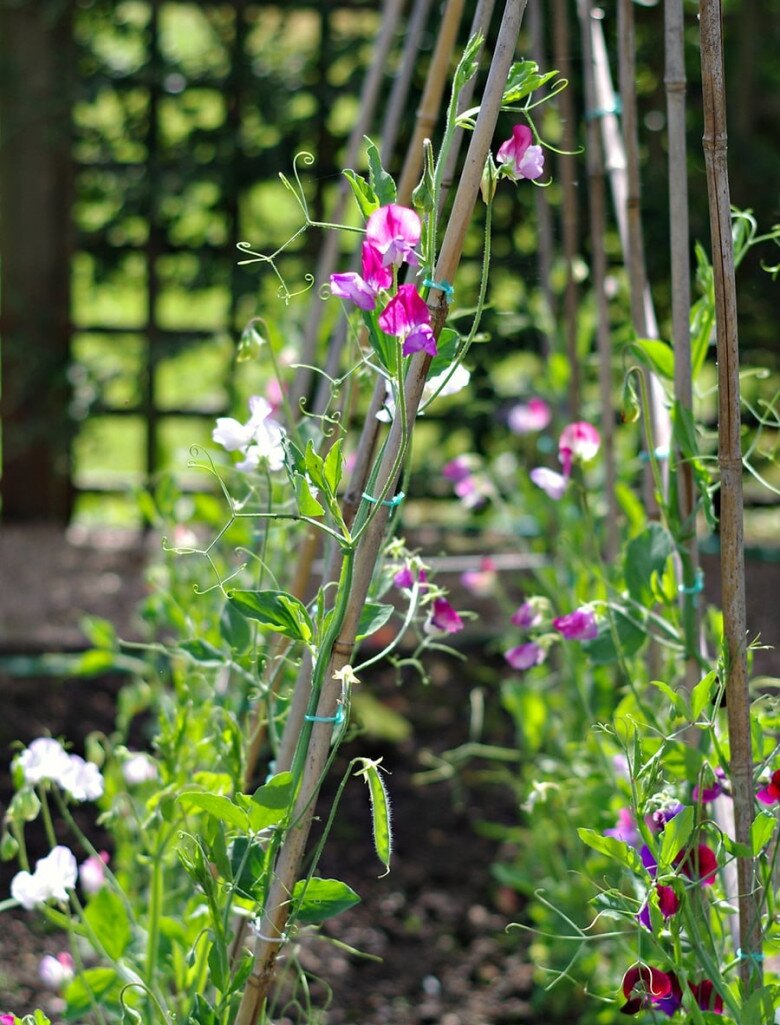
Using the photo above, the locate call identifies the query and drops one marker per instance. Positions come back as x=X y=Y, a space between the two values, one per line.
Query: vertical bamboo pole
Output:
x=569 y=204
x=679 y=243
x=597 y=217
x=288 y=865
x=326 y=262
x=399 y=94
x=730 y=463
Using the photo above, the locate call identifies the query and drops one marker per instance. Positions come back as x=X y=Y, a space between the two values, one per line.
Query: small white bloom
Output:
x=231 y=435
x=458 y=380
x=54 y=875
x=45 y=758
x=56 y=972
x=261 y=437
x=346 y=676
x=139 y=768
x=92 y=873
x=82 y=780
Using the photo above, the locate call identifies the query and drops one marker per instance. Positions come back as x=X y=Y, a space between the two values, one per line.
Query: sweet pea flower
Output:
x=709 y=793
x=139 y=768
x=56 y=971
x=770 y=794
x=668 y=905
x=54 y=875
x=625 y=829
x=405 y=578
x=47 y=759
x=644 y=986
x=457 y=469
x=82 y=780
x=407 y=317
x=579 y=625
x=578 y=441
x=482 y=581
x=441 y=385
x=659 y=818
x=7 y=1019
x=552 y=483
x=699 y=864
x=525 y=656
x=519 y=158
x=527 y=615
x=259 y=438
x=528 y=417
x=363 y=289
x=444 y=618
x=705 y=996
x=92 y=872
x=394 y=231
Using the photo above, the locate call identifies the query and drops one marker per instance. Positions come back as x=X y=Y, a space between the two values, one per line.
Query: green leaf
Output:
x=630 y=637
x=202 y=1012
x=277 y=610
x=99 y=632
x=318 y=899
x=701 y=694
x=646 y=555
x=203 y=652
x=248 y=864
x=221 y=808
x=677 y=698
x=333 y=466
x=655 y=354
x=613 y=848
x=269 y=803
x=380 y=811
x=307 y=503
x=101 y=984
x=372 y=618
x=381 y=182
x=523 y=79
x=676 y=834
x=446 y=350
x=365 y=197
x=106 y=915
x=762 y=830
x=234 y=628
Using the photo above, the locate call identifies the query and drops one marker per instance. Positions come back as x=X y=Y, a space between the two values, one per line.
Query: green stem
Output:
x=154 y=915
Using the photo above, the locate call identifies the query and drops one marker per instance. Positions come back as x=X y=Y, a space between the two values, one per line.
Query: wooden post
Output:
x=35 y=246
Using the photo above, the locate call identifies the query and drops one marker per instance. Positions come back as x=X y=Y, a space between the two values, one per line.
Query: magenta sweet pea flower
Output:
x=579 y=625
x=711 y=792
x=526 y=616
x=394 y=231
x=525 y=656
x=578 y=441
x=552 y=483
x=407 y=316
x=444 y=618
x=770 y=794
x=699 y=864
x=668 y=905
x=528 y=417
x=519 y=157
x=7 y=1019
x=705 y=996
x=405 y=578
x=644 y=986
x=362 y=289
x=457 y=469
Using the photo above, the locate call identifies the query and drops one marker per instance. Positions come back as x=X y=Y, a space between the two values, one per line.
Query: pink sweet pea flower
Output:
x=525 y=656
x=480 y=581
x=394 y=231
x=56 y=971
x=444 y=618
x=578 y=441
x=552 y=483
x=709 y=793
x=527 y=417
x=92 y=872
x=579 y=625
x=7 y=1019
x=363 y=290
x=771 y=792
x=519 y=157
x=625 y=829
x=407 y=316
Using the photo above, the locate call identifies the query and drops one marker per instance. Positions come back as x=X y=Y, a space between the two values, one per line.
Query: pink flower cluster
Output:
x=468 y=485
x=533 y=614
x=392 y=232
x=579 y=442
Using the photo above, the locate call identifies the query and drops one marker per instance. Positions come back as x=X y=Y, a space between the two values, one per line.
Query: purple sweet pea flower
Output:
x=407 y=316
x=394 y=231
x=526 y=616
x=444 y=618
x=552 y=483
x=625 y=829
x=579 y=625
x=519 y=157
x=525 y=656
x=644 y=986
x=457 y=469
x=711 y=792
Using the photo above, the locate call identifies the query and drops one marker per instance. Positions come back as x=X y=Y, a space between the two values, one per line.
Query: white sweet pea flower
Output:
x=54 y=875
x=44 y=759
x=82 y=780
x=458 y=380
x=139 y=768
x=261 y=437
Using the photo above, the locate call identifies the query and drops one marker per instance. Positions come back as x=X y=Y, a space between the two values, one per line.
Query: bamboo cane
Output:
x=625 y=193
x=396 y=105
x=569 y=206
x=730 y=463
x=545 y=247
x=288 y=865
x=597 y=217
x=326 y=262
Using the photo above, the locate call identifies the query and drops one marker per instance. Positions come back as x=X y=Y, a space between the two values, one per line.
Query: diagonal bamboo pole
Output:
x=569 y=205
x=730 y=463
x=597 y=216
x=288 y=865
x=326 y=262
